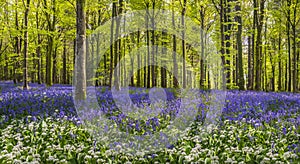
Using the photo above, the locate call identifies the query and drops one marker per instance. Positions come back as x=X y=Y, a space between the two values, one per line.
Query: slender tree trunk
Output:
x=289 y=47
x=111 y=43
x=265 y=58
x=6 y=75
x=148 y=48
x=202 y=73
x=25 y=75
x=54 y=64
x=64 y=78
x=49 y=47
x=250 y=66
x=273 y=71
x=279 y=63
x=183 y=43
x=222 y=44
x=258 y=46
x=117 y=47
x=295 y=63
x=153 y=73
x=164 y=51
x=38 y=50
x=17 y=48
x=227 y=20
x=175 y=76
x=139 y=61
x=286 y=75
x=241 y=82
x=80 y=71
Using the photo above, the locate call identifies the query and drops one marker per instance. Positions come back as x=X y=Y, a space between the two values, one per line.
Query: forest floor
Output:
x=42 y=125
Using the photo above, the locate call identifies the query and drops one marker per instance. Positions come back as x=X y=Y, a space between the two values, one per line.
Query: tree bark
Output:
x=80 y=74
x=295 y=63
x=241 y=82
x=258 y=46
x=139 y=61
x=25 y=73
x=112 y=43
x=64 y=75
x=183 y=43
x=202 y=73
x=38 y=50
x=250 y=65
x=175 y=75
x=289 y=47
x=17 y=48
x=117 y=46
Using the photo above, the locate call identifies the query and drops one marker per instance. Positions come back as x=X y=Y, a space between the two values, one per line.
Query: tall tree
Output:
x=39 y=42
x=25 y=71
x=117 y=45
x=227 y=36
x=17 y=46
x=183 y=44
x=258 y=44
x=202 y=73
x=112 y=42
x=80 y=73
x=175 y=66
x=238 y=18
x=294 y=33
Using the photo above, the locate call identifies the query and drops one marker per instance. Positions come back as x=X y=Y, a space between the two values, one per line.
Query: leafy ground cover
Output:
x=40 y=125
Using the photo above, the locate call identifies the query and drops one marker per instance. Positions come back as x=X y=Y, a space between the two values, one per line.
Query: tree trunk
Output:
x=139 y=61
x=227 y=31
x=183 y=43
x=112 y=43
x=202 y=73
x=164 y=52
x=38 y=50
x=54 y=68
x=64 y=75
x=80 y=73
x=241 y=82
x=175 y=75
x=17 y=48
x=117 y=47
x=279 y=63
x=250 y=66
x=50 y=45
x=289 y=47
x=295 y=63
x=222 y=44
x=258 y=46
x=25 y=75
x=148 y=48
x=153 y=73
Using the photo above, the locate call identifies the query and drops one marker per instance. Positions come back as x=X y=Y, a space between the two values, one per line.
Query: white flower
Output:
x=50 y=158
x=100 y=160
x=16 y=161
x=87 y=157
x=229 y=160
x=286 y=155
x=140 y=154
x=36 y=156
x=188 y=158
x=215 y=158
x=294 y=156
